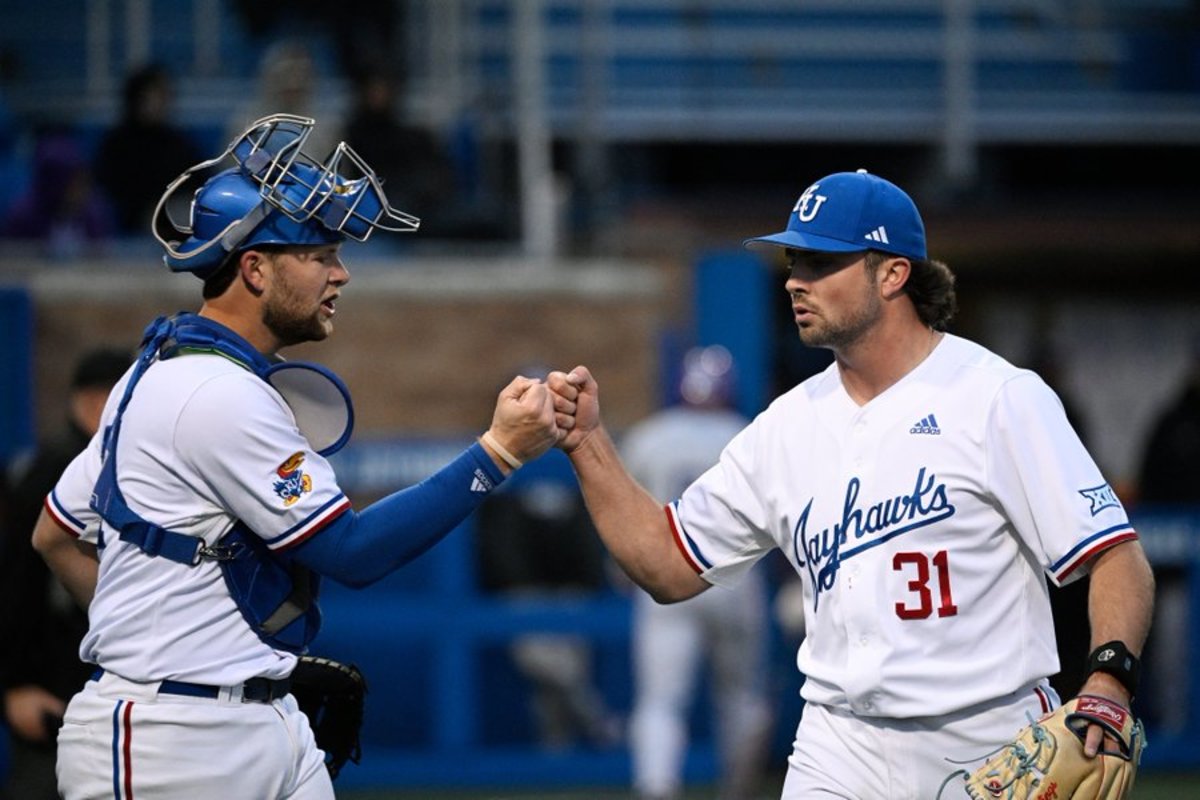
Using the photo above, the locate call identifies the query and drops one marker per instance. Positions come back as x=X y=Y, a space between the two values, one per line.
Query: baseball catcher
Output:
x=202 y=579
x=1047 y=758
x=331 y=695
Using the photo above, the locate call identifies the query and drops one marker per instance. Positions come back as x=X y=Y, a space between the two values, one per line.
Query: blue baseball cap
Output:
x=852 y=211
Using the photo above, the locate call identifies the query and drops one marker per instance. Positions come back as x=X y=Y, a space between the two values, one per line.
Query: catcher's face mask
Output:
x=274 y=194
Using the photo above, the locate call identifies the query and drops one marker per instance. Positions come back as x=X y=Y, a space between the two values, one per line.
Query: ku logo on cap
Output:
x=802 y=211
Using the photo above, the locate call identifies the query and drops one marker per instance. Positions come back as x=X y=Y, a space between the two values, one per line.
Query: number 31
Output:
x=919 y=585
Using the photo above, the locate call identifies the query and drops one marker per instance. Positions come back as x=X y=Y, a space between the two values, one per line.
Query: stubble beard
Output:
x=843 y=333
x=287 y=319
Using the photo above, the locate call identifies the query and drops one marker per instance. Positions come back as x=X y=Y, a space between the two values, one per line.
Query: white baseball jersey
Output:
x=922 y=524
x=204 y=442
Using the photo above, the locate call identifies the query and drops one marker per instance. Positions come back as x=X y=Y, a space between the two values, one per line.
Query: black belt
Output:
x=257 y=690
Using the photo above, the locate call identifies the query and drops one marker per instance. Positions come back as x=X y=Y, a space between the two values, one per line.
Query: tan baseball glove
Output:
x=1046 y=759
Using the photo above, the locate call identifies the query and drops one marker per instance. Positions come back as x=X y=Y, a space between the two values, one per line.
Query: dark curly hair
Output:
x=930 y=286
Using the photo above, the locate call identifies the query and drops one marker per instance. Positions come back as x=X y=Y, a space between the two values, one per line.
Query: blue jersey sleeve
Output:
x=359 y=548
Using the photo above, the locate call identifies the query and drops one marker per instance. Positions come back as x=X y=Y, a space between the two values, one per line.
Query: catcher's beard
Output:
x=290 y=317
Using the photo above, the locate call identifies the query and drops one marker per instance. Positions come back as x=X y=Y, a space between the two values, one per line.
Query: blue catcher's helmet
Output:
x=707 y=377
x=274 y=194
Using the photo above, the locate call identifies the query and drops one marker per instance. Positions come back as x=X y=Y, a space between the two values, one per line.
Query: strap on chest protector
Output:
x=275 y=595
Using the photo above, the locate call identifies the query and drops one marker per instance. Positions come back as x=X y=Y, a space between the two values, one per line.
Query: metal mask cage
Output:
x=344 y=194
x=270 y=153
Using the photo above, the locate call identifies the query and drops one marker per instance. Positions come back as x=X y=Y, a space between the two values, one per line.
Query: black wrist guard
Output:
x=1115 y=659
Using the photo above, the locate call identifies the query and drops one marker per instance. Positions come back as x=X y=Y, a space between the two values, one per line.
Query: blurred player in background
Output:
x=198 y=525
x=40 y=625
x=921 y=487
x=727 y=628
x=535 y=542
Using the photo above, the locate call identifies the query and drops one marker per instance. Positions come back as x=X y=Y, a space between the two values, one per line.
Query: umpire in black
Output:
x=40 y=625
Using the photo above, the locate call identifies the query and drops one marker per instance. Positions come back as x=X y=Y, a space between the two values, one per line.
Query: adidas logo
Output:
x=927 y=425
x=878 y=235
x=481 y=483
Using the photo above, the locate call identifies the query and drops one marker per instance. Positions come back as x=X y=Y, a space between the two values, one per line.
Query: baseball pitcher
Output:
x=921 y=487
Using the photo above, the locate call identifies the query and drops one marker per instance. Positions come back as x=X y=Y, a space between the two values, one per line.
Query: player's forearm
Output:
x=1120 y=606
x=1121 y=597
x=73 y=562
x=632 y=524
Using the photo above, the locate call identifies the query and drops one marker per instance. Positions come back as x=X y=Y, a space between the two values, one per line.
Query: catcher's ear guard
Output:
x=274 y=194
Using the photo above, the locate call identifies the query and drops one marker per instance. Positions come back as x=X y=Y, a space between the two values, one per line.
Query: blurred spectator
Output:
x=416 y=172
x=364 y=31
x=61 y=209
x=144 y=152
x=536 y=542
x=40 y=625
x=1170 y=480
x=725 y=626
x=288 y=83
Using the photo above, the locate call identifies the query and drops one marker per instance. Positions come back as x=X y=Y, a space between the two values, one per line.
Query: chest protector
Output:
x=276 y=595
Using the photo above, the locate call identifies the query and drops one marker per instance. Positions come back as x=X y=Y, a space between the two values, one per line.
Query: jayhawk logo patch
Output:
x=293 y=482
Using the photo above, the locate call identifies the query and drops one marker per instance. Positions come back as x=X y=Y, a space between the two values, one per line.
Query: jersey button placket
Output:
x=858 y=433
x=859 y=608
x=856 y=596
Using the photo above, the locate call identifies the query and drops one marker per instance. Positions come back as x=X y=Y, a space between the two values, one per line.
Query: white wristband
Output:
x=508 y=457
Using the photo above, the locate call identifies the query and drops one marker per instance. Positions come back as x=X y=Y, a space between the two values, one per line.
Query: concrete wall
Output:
x=424 y=346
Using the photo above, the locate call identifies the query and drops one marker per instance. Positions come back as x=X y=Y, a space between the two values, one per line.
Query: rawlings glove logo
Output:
x=1101 y=709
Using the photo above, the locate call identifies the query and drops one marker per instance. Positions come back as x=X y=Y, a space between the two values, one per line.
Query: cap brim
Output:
x=806 y=241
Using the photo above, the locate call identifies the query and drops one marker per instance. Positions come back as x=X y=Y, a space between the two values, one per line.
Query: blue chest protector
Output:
x=276 y=595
